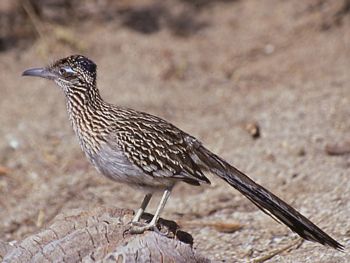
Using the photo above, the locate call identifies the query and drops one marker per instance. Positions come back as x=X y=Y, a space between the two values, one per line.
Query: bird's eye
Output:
x=66 y=71
x=62 y=71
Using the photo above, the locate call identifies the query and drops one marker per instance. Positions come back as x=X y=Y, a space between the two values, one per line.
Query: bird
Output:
x=151 y=154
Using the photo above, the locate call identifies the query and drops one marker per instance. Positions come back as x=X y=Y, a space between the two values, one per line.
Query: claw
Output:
x=137 y=229
x=137 y=224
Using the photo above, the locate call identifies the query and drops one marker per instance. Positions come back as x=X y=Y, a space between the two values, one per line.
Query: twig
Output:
x=297 y=243
x=28 y=8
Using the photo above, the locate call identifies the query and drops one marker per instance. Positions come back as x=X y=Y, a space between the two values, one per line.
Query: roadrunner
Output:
x=148 y=152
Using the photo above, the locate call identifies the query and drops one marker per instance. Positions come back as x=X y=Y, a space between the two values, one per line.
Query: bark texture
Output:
x=101 y=235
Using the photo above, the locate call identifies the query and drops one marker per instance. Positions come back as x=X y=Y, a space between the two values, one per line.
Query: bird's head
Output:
x=71 y=72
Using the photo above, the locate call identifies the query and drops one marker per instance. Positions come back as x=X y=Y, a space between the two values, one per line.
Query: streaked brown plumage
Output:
x=148 y=152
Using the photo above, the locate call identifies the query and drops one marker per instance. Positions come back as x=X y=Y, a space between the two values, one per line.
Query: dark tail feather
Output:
x=265 y=200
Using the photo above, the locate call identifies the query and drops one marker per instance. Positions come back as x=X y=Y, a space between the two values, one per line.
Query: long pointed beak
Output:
x=39 y=72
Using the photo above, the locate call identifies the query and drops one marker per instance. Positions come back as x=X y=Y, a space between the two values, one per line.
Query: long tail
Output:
x=264 y=199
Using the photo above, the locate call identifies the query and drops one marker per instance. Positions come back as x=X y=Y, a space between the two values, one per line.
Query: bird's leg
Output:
x=152 y=225
x=160 y=207
x=142 y=208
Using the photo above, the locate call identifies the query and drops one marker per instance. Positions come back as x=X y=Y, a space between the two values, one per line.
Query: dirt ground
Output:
x=211 y=68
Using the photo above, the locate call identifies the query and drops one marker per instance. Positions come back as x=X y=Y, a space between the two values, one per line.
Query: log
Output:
x=101 y=235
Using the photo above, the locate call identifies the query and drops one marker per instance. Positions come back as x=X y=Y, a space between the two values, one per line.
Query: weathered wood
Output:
x=101 y=235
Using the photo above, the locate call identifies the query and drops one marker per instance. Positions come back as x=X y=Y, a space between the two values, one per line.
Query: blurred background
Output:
x=265 y=84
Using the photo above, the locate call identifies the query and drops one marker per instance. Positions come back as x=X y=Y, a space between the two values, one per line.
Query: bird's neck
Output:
x=84 y=107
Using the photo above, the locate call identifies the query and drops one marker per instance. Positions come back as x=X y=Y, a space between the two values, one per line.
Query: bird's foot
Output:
x=140 y=228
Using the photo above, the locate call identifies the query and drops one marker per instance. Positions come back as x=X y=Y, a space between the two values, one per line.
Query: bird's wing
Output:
x=157 y=147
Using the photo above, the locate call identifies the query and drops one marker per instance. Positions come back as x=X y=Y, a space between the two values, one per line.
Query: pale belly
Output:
x=115 y=165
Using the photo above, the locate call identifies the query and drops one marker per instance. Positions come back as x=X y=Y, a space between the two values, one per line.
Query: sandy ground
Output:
x=282 y=64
